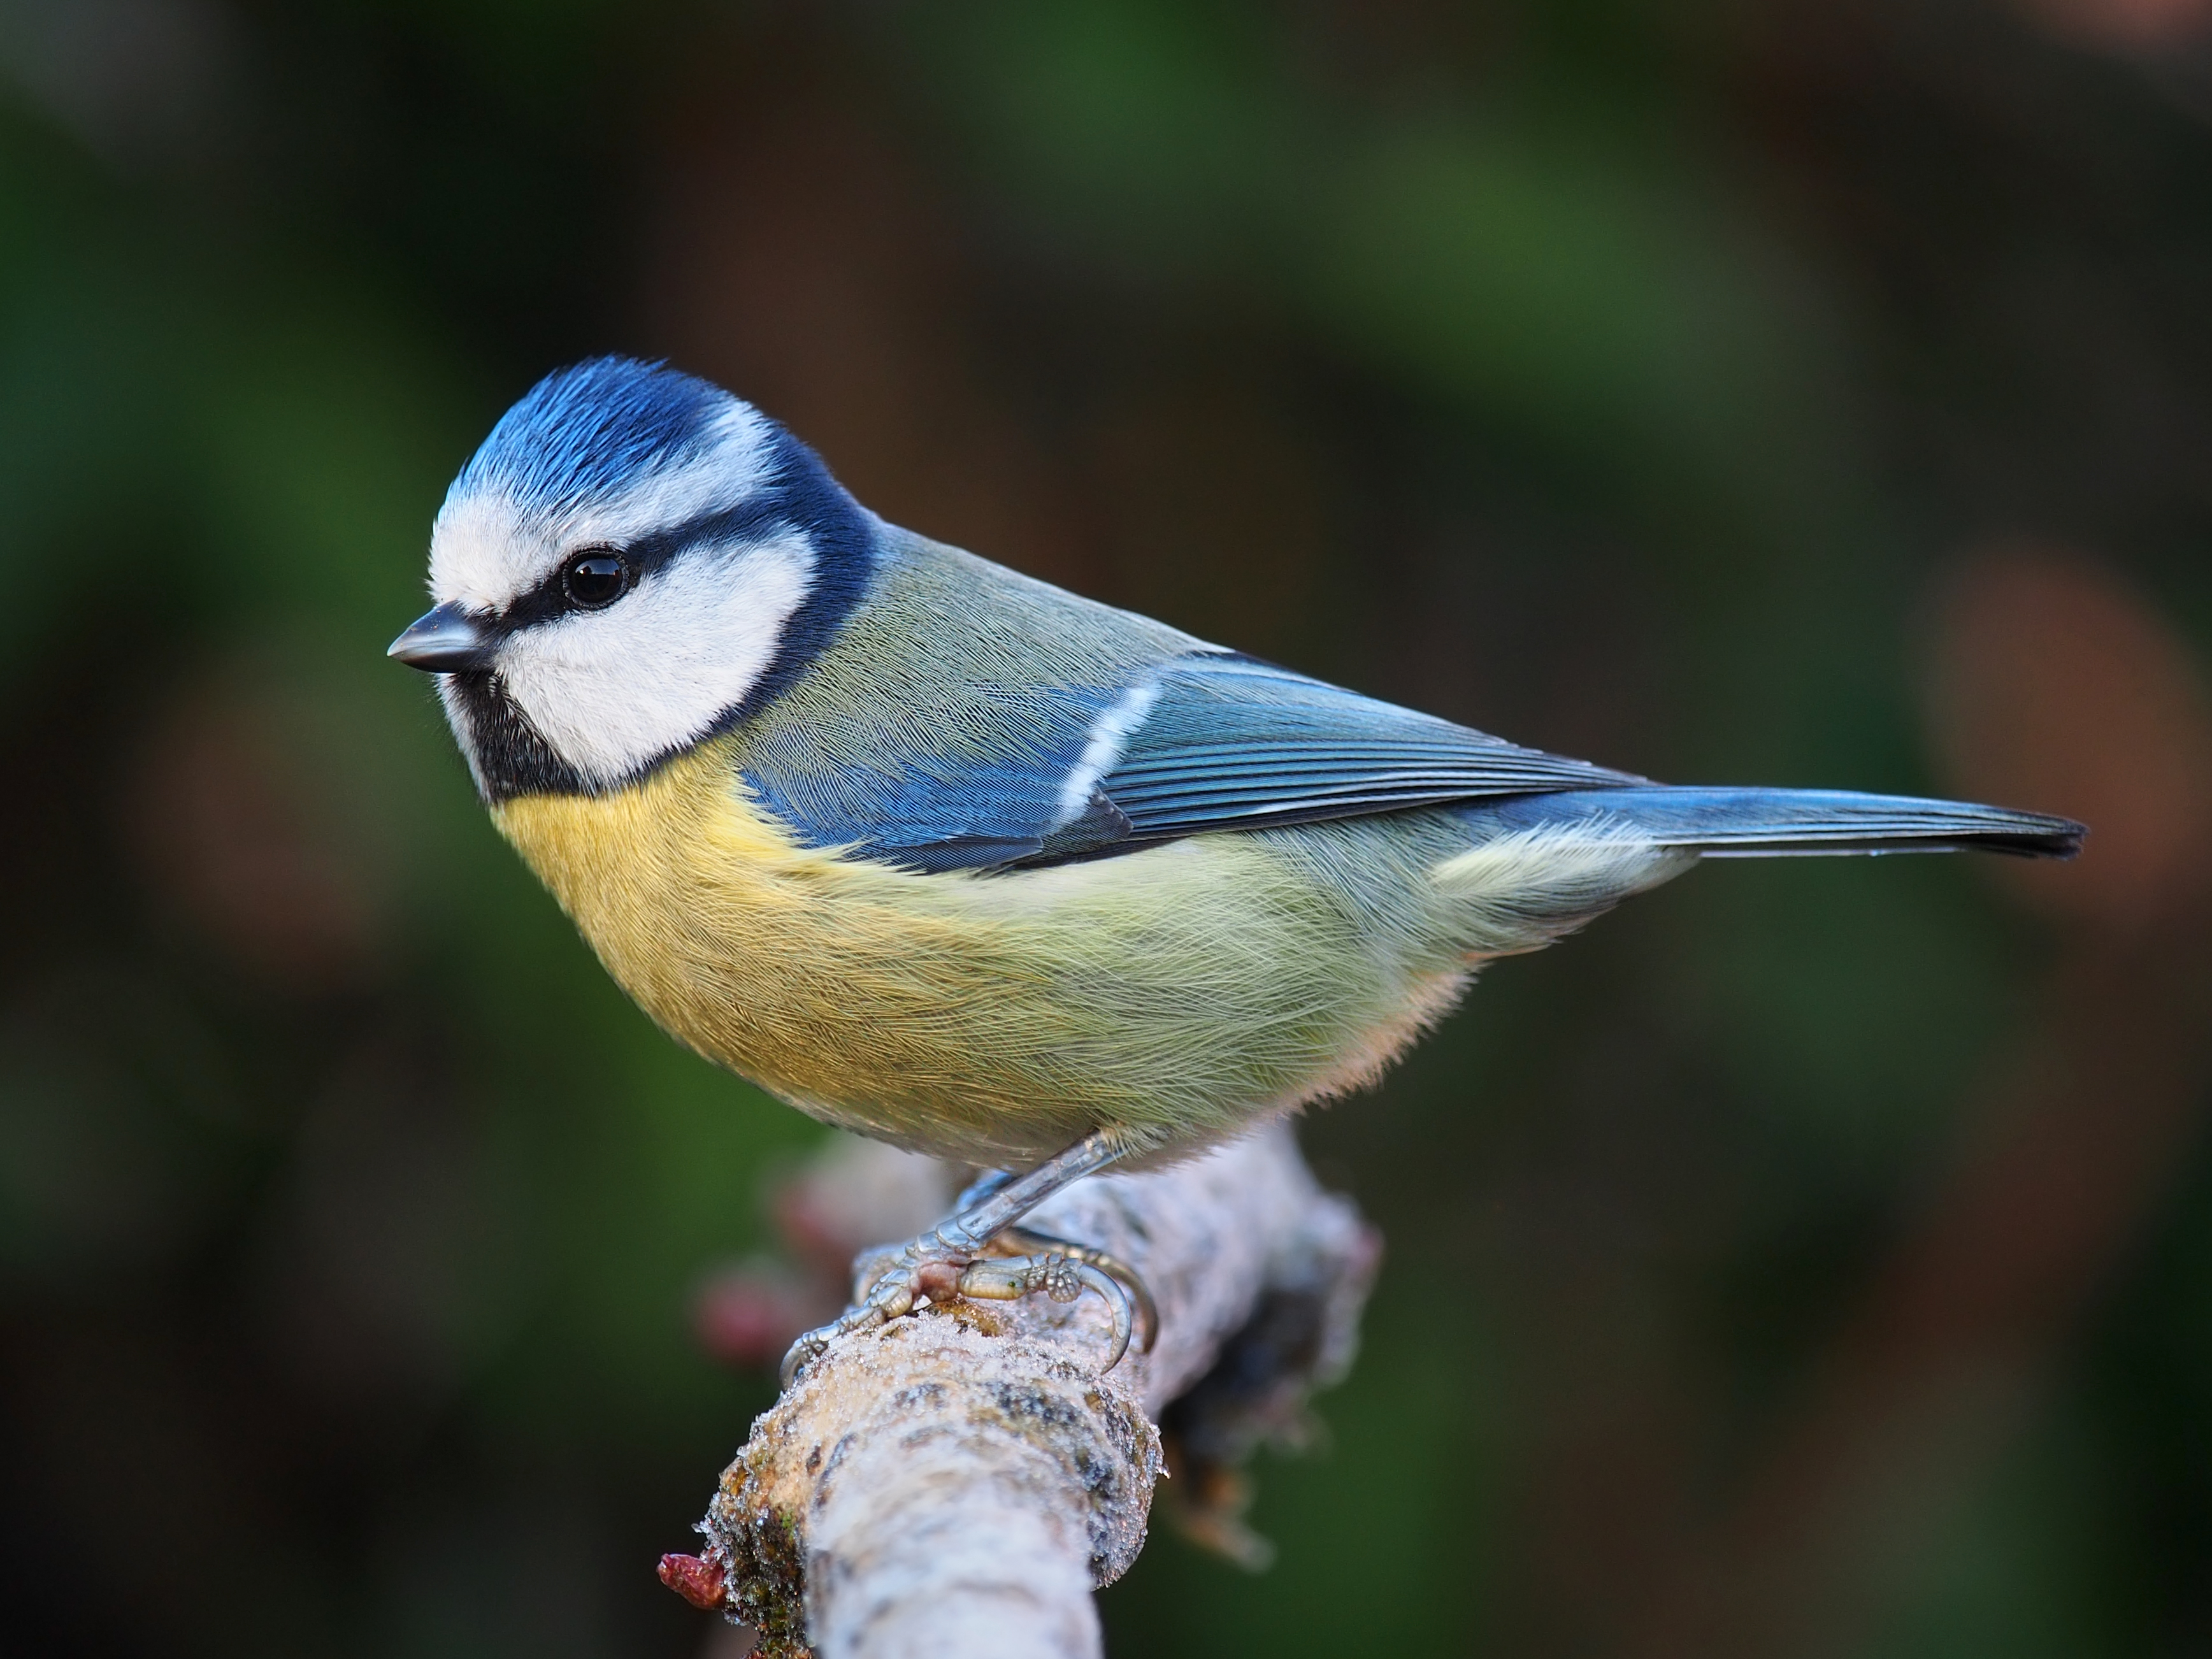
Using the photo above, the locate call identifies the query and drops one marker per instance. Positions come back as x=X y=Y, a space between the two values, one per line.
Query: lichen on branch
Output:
x=959 y=1481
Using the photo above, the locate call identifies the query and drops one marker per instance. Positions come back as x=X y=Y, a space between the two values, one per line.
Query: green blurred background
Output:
x=1814 y=1259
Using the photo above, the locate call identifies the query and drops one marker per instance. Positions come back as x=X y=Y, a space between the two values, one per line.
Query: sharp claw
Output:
x=1141 y=1293
x=1121 y=1273
x=1117 y=1303
x=890 y=1298
x=1062 y=1278
x=802 y=1354
x=889 y=1282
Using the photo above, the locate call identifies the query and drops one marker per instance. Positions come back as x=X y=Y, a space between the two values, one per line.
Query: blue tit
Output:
x=953 y=857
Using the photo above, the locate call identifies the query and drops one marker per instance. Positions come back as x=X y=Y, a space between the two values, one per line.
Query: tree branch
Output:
x=960 y=1481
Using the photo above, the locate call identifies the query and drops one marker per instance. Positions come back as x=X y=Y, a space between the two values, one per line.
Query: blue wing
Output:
x=971 y=782
x=1026 y=775
x=1738 y=823
x=1230 y=743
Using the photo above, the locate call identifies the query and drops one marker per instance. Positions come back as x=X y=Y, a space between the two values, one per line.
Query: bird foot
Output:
x=953 y=1258
x=890 y=1284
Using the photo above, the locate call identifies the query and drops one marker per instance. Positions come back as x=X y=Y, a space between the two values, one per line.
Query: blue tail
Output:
x=1773 y=822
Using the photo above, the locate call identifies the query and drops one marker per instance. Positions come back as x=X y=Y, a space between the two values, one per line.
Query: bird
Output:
x=951 y=857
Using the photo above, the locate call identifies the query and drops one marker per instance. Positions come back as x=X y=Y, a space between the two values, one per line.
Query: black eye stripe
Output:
x=554 y=596
x=752 y=520
x=512 y=759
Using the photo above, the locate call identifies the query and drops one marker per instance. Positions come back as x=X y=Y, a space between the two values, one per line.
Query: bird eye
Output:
x=595 y=580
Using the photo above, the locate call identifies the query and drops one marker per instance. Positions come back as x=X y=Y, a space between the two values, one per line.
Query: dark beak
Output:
x=446 y=641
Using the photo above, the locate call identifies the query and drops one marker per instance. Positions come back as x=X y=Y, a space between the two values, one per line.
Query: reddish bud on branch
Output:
x=698 y=1582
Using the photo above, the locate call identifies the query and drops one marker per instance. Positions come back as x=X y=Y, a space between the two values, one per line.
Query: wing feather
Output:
x=1024 y=775
x=1234 y=743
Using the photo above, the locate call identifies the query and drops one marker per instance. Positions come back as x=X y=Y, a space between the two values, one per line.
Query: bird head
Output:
x=634 y=561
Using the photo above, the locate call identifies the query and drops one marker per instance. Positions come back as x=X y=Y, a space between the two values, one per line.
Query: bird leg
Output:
x=950 y=1259
x=1031 y=1242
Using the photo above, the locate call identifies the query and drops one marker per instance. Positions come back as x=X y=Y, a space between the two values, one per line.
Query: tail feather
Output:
x=1725 y=823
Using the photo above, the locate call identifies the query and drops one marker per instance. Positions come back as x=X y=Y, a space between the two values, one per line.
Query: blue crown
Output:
x=586 y=430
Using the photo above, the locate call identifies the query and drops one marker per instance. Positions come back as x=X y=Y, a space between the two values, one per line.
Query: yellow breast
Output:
x=1176 y=991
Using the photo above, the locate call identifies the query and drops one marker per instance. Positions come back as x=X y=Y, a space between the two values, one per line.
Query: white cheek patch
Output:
x=486 y=549
x=613 y=689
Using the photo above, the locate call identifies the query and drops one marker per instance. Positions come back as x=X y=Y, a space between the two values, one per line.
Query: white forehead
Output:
x=488 y=548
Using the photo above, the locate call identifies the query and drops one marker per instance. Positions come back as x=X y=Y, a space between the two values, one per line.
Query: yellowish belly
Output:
x=1178 y=991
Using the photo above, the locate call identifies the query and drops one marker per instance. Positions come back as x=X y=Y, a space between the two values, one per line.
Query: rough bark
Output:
x=959 y=1481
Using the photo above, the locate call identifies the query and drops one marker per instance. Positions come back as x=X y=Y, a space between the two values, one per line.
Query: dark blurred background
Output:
x=1814 y=1259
